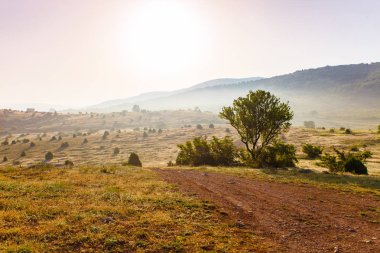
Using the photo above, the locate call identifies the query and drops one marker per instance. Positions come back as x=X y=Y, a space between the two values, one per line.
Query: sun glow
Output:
x=163 y=37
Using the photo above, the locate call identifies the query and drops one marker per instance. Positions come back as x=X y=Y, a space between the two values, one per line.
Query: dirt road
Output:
x=297 y=218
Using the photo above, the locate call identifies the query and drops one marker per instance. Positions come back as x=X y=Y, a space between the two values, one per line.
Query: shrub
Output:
x=199 y=126
x=85 y=141
x=201 y=152
x=342 y=128
x=53 y=138
x=211 y=126
x=5 y=159
x=353 y=162
x=311 y=151
x=69 y=163
x=13 y=142
x=59 y=138
x=4 y=143
x=278 y=154
x=134 y=160
x=159 y=131
x=355 y=165
x=309 y=124
x=348 y=131
x=32 y=144
x=332 y=130
x=145 y=135
x=65 y=145
x=105 y=135
x=23 y=154
x=170 y=164
x=116 y=151
x=25 y=140
x=228 y=130
x=49 y=156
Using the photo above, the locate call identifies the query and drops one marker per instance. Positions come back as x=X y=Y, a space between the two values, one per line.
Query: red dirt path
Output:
x=297 y=218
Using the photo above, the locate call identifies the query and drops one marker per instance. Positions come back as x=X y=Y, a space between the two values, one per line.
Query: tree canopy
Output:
x=258 y=118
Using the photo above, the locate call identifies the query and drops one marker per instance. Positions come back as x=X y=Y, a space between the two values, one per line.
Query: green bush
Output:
x=353 y=162
x=105 y=135
x=348 y=131
x=49 y=156
x=311 y=151
x=5 y=159
x=201 y=152
x=278 y=155
x=134 y=160
x=69 y=163
x=116 y=151
x=355 y=166
x=64 y=145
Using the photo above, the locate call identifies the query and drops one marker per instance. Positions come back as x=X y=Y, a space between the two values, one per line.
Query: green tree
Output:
x=48 y=156
x=134 y=160
x=258 y=118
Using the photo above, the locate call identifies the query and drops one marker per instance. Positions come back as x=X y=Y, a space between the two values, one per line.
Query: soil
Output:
x=295 y=217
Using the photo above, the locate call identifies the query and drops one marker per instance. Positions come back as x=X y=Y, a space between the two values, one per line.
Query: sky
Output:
x=76 y=53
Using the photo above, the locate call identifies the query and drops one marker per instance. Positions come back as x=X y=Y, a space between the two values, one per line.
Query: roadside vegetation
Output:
x=110 y=209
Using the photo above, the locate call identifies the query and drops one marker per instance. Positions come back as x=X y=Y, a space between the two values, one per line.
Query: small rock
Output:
x=336 y=249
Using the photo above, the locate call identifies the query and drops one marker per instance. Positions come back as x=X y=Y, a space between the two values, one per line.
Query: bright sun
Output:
x=163 y=37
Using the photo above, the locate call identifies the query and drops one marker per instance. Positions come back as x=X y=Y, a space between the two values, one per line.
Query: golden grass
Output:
x=110 y=209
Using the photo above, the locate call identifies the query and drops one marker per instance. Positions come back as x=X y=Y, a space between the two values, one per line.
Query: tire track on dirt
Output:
x=300 y=218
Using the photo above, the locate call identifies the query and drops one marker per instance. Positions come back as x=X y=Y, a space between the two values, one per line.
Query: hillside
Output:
x=360 y=81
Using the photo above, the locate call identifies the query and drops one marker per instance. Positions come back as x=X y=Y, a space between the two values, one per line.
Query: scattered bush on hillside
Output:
x=211 y=126
x=105 y=135
x=309 y=124
x=25 y=140
x=23 y=154
x=85 y=141
x=353 y=162
x=64 y=145
x=170 y=164
x=311 y=151
x=228 y=130
x=53 y=138
x=134 y=160
x=69 y=164
x=48 y=156
x=348 y=131
x=342 y=128
x=116 y=151
x=32 y=144
x=59 y=138
x=199 y=126
x=5 y=143
x=5 y=159
x=278 y=155
x=159 y=131
x=145 y=135
x=201 y=152
x=332 y=130
x=13 y=142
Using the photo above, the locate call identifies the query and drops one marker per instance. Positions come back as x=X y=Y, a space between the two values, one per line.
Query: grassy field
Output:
x=109 y=209
x=157 y=149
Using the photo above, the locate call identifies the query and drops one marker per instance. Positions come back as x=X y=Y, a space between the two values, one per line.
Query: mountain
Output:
x=122 y=104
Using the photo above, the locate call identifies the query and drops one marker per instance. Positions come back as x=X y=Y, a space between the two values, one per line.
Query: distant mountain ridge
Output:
x=325 y=89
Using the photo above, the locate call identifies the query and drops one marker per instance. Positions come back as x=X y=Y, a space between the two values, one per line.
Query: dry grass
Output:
x=158 y=149
x=110 y=209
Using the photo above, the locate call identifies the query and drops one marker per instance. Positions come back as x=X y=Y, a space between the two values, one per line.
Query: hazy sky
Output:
x=79 y=52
